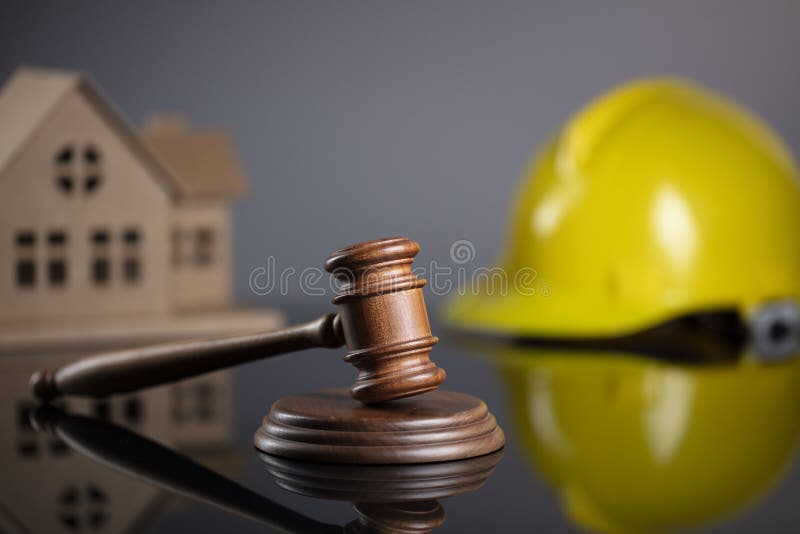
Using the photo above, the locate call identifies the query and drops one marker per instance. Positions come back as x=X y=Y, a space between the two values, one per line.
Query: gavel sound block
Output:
x=383 y=322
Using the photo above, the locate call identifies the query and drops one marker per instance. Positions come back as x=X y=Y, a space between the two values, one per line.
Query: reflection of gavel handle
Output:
x=137 y=456
x=128 y=370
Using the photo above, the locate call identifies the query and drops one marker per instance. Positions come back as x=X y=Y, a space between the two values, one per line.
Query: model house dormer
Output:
x=208 y=177
x=84 y=208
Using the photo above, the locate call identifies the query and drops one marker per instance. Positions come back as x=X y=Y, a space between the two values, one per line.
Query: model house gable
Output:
x=31 y=95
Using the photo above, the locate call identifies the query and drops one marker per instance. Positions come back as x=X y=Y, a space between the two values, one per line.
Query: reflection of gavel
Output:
x=382 y=320
x=388 y=498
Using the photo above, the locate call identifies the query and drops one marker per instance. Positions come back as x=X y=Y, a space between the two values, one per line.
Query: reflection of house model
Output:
x=111 y=238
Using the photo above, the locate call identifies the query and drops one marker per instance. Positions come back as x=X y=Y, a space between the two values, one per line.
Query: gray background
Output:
x=363 y=119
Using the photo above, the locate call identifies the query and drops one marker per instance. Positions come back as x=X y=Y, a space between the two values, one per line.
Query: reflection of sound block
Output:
x=331 y=426
x=388 y=498
x=381 y=483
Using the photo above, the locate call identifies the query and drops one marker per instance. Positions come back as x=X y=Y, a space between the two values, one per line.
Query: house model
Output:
x=110 y=238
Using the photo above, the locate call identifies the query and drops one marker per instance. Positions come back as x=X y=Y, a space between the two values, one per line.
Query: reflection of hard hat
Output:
x=658 y=199
x=638 y=446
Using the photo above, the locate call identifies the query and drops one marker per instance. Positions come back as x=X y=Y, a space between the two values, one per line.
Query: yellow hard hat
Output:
x=636 y=445
x=658 y=199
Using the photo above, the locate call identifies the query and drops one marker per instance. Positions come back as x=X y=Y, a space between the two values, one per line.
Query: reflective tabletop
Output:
x=597 y=440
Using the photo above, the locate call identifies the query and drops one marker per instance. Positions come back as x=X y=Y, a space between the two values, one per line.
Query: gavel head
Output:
x=384 y=320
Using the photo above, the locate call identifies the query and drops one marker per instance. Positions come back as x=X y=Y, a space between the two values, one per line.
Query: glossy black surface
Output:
x=514 y=498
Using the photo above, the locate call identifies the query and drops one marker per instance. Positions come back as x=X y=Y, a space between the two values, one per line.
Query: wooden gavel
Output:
x=382 y=320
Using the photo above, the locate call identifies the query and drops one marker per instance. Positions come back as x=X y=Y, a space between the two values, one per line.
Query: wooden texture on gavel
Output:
x=382 y=319
x=329 y=426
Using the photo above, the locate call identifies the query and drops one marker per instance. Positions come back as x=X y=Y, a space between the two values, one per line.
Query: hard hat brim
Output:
x=559 y=315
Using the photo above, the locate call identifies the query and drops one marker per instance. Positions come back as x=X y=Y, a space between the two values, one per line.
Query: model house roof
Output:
x=31 y=94
x=203 y=163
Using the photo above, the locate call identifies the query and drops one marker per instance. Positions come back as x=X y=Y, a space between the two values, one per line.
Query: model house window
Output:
x=27 y=445
x=204 y=246
x=58 y=447
x=78 y=167
x=102 y=409
x=130 y=412
x=101 y=271
x=25 y=243
x=83 y=509
x=133 y=410
x=132 y=269
x=92 y=174
x=193 y=402
x=64 y=169
x=131 y=262
x=56 y=258
x=57 y=238
x=28 y=440
x=57 y=272
x=26 y=272
x=100 y=267
x=26 y=239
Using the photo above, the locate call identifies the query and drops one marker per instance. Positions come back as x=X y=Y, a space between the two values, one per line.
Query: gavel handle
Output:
x=129 y=370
